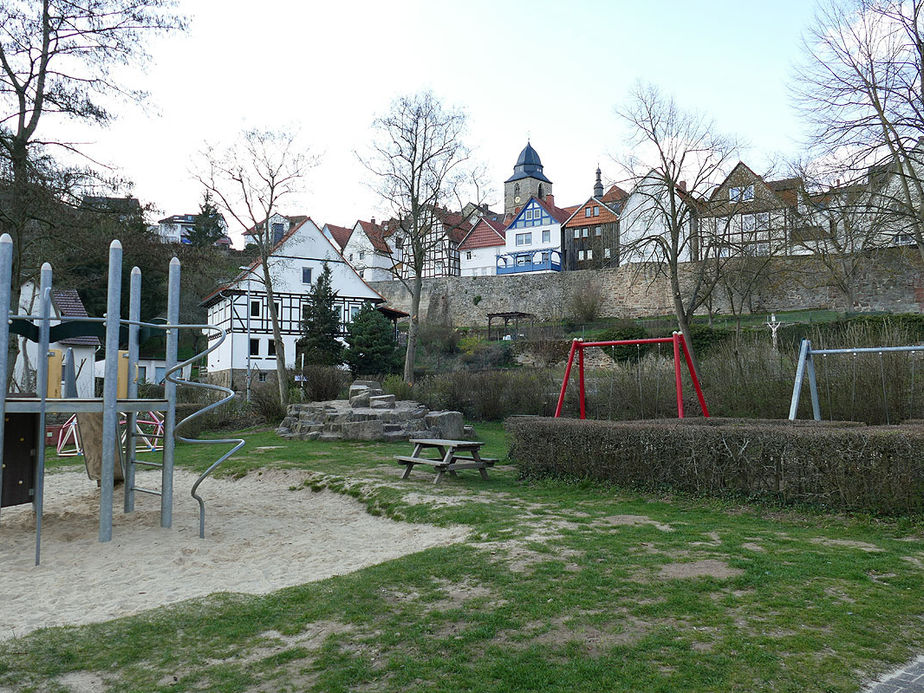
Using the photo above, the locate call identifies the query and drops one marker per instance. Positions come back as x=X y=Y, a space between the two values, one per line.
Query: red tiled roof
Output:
x=376 y=236
x=486 y=234
x=341 y=234
x=614 y=194
x=557 y=213
x=605 y=215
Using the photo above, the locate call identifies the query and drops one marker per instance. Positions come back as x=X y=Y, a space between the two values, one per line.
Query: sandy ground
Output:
x=259 y=537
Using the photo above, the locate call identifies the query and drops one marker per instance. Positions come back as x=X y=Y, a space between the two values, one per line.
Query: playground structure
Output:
x=806 y=367
x=679 y=345
x=148 y=434
x=23 y=454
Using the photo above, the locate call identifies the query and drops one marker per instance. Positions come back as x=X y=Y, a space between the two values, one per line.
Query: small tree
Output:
x=208 y=227
x=321 y=324
x=371 y=347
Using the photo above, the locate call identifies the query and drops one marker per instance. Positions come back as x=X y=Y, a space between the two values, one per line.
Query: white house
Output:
x=150 y=370
x=240 y=307
x=643 y=221
x=369 y=253
x=480 y=248
x=532 y=240
x=65 y=303
x=176 y=228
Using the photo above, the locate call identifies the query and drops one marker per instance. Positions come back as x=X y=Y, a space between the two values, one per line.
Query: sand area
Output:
x=260 y=536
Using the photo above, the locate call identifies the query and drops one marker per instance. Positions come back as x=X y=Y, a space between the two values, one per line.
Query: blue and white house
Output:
x=533 y=239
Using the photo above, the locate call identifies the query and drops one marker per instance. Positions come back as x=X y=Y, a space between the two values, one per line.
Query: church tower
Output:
x=527 y=181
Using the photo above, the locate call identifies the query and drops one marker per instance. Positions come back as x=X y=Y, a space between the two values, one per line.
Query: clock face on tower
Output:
x=516 y=199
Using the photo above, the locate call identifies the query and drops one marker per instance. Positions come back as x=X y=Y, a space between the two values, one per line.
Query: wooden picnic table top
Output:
x=446 y=443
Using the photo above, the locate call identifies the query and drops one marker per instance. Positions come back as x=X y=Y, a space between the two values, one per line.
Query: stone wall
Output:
x=890 y=280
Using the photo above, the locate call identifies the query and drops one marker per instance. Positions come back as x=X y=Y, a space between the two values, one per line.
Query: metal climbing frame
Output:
x=806 y=366
x=679 y=344
x=110 y=406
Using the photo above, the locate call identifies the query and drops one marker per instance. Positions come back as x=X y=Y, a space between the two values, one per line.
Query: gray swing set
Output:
x=22 y=418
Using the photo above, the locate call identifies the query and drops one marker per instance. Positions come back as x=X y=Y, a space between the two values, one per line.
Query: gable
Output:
x=592 y=212
x=531 y=216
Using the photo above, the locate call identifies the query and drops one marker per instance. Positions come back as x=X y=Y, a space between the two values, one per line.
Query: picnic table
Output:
x=451 y=455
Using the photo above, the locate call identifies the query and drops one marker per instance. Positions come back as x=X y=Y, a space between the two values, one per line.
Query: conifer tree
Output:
x=207 y=227
x=321 y=323
x=371 y=347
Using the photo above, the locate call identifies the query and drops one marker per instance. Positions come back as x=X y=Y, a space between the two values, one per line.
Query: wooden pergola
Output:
x=507 y=317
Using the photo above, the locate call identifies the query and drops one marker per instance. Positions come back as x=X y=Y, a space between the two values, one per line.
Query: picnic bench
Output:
x=452 y=455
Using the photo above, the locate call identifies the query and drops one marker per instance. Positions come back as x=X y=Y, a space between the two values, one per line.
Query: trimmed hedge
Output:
x=839 y=465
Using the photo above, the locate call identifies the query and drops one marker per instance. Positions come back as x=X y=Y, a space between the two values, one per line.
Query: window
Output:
x=598 y=231
x=362 y=254
x=522 y=260
x=606 y=253
x=529 y=214
x=580 y=255
x=160 y=373
x=596 y=211
x=547 y=236
x=271 y=347
x=587 y=211
x=524 y=238
x=354 y=311
x=585 y=232
x=255 y=309
x=590 y=254
x=350 y=257
x=261 y=377
x=142 y=374
x=545 y=257
x=741 y=194
x=468 y=254
x=577 y=233
x=306 y=275
x=254 y=347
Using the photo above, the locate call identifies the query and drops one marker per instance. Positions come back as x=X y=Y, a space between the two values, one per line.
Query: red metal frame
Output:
x=679 y=344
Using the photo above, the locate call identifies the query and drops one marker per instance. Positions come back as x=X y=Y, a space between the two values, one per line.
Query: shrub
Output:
x=585 y=301
x=371 y=347
x=264 y=401
x=843 y=466
x=394 y=385
x=438 y=339
x=322 y=383
x=627 y=330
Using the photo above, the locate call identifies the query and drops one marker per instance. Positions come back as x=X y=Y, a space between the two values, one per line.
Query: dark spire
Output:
x=528 y=165
x=598 y=186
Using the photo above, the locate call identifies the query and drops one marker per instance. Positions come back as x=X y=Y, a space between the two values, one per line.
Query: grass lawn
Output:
x=562 y=587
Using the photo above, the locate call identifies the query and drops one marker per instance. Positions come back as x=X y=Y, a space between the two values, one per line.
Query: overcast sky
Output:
x=553 y=71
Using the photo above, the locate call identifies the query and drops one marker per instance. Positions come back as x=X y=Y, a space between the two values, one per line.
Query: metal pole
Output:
x=70 y=374
x=694 y=376
x=804 y=349
x=581 y=380
x=42 y=387
x=173 y=318
x=110 y=391
x=247 y=307
x=6 y=289
x=813 y=386
x=564 y=383
x=134 y=315
x=678 y=380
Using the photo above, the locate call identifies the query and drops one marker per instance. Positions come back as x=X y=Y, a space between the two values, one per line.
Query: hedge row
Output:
x=838 y=466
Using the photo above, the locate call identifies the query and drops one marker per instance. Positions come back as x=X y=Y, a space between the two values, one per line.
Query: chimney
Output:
x=598 y=186
x=682 y=185
x=373 y=221
x=550 y=198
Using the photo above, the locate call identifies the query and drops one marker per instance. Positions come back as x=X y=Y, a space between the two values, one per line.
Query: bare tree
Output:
x=861 y=89
x=419 y=162
x=677 y=162
x=249 y=179
x=59 y=57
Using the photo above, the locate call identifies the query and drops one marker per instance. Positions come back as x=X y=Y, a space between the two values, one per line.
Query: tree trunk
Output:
x=282 y=380
x=411 y=353
x=681 y=315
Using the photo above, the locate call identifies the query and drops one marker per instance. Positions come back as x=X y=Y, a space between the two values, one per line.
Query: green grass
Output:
x=563 y=587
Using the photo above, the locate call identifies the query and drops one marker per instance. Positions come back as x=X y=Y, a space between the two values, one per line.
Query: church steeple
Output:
x=598 y=186
x=528 y=180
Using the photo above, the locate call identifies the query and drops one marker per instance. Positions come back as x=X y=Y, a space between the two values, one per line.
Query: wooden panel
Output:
x=20 y=435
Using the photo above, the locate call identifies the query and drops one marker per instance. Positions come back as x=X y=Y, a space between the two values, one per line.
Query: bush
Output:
x=627 y=330
x=585 y=301
x=394 y=385
x=264 y=401
x=371 y=347
x=490 y=395
x=438 y=339
x=842 y=466
x=322 y=383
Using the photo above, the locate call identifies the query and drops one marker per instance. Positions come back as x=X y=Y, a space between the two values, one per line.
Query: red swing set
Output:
x=679 y=343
